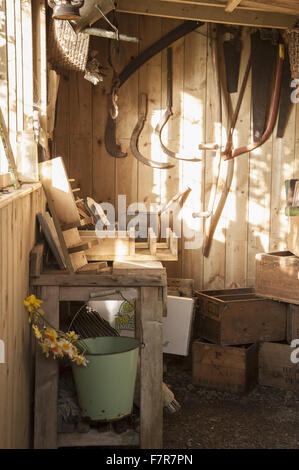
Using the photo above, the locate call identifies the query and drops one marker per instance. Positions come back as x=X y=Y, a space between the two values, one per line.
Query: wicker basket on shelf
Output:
x=66 y=49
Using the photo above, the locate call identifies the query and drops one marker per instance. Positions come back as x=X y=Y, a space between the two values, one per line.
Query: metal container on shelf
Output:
x=105 y=387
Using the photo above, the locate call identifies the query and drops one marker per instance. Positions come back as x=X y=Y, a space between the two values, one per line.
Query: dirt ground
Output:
x=266 y=418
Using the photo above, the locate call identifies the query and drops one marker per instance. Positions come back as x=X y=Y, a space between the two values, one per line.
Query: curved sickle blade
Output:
x=111 y=146
x=168 y=113
x=135 y=137
x=170 y=153
x=110 y=142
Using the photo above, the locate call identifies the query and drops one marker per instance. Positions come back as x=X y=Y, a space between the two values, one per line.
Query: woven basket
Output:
x=293 y=44
x=66 y=49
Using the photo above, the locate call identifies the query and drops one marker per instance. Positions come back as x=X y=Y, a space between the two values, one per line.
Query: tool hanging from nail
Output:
x=110 y=139
x=142 y=106
x=232 y=46
x=213 y=221
x=168 y=113
x=272 y=115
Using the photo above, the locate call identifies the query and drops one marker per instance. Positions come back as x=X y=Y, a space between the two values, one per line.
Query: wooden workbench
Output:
x=149 y=289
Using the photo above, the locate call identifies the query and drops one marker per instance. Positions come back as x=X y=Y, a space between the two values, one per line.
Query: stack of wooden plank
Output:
x=277 y=277
x=232 y=324
x=78 y=250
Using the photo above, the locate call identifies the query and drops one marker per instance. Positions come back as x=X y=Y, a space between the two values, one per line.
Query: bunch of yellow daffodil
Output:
x=53 y=341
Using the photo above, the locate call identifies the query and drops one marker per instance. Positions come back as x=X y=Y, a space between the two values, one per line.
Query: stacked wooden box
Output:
x=231 y=324
x=277 y=277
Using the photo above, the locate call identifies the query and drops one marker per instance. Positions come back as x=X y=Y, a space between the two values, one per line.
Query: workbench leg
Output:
x=149 y=319
x=46 y=380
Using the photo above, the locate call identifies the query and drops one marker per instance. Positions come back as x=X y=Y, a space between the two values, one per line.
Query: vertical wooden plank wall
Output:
x=253 y=219
x=17 y=237
x=17 y=228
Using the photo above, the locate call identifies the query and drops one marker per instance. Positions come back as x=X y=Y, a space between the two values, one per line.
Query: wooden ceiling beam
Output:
x=232 y=5
x=206 y=13
x=290 y=7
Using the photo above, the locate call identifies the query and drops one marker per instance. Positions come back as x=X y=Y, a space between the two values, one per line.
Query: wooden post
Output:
x=149 y=330
x=46 y=382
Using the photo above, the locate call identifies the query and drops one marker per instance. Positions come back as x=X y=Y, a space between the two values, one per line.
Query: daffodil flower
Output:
x=57 y=342
x=37 y=332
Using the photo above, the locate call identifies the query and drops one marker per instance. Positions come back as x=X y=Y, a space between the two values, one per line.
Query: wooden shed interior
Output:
x=59 y=92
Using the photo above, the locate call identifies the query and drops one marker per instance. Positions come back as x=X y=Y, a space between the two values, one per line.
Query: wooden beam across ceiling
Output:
x=232 y=5
x=290 y=7
x=204 y=12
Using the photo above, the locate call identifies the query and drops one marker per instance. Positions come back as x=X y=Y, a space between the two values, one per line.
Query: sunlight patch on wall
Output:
x=158 y=187
x=192 y=128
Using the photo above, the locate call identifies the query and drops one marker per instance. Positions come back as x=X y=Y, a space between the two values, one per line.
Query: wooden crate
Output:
x=276 y=368
x=292 y=322
x=277 y=276
x=225 y=367
x=239 y=316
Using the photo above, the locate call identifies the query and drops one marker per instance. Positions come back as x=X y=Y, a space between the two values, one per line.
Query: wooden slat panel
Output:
x=27 y=62
x=149 y=179
x=214 y=265
x=17 y=236
x=282 y=168
x=103 y=165
x=151 y=371
x=80 y=159
x=62 y=127
x=206 y=13
x=11 y=65
x=195 y=131
x=173 y=132
x=126 y=168
x=237 y=201
x=46 y=383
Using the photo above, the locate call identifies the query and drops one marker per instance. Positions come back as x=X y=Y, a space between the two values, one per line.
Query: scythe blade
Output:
x=136 y=133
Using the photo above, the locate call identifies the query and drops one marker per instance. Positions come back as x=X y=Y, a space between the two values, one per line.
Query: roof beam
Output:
x=232 y=5
x=289 y=8
x=206 y=13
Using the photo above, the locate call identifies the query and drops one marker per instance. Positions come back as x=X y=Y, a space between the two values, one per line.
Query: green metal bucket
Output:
x=105 y=387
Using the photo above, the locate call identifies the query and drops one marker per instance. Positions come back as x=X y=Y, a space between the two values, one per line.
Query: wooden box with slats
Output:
x=231 y=368
x=276 y=368
x=239 y=316
x=277 y=276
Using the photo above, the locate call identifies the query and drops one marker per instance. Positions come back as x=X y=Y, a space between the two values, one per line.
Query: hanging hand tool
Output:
x=263 y=59
x=232 y=46
x=136 y=133
x=110 y=141
x=213 y=46
x=181 y=196
x=273 y=112
x=213 y=221
x=168 y=113
x=229 y=144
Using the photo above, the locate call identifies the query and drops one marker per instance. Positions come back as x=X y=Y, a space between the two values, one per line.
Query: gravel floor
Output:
x=266 y=418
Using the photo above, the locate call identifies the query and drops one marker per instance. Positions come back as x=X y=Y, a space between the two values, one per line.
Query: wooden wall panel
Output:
x=17 y=222
x=17 y=237
x=127 y=168
x=253 y=218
